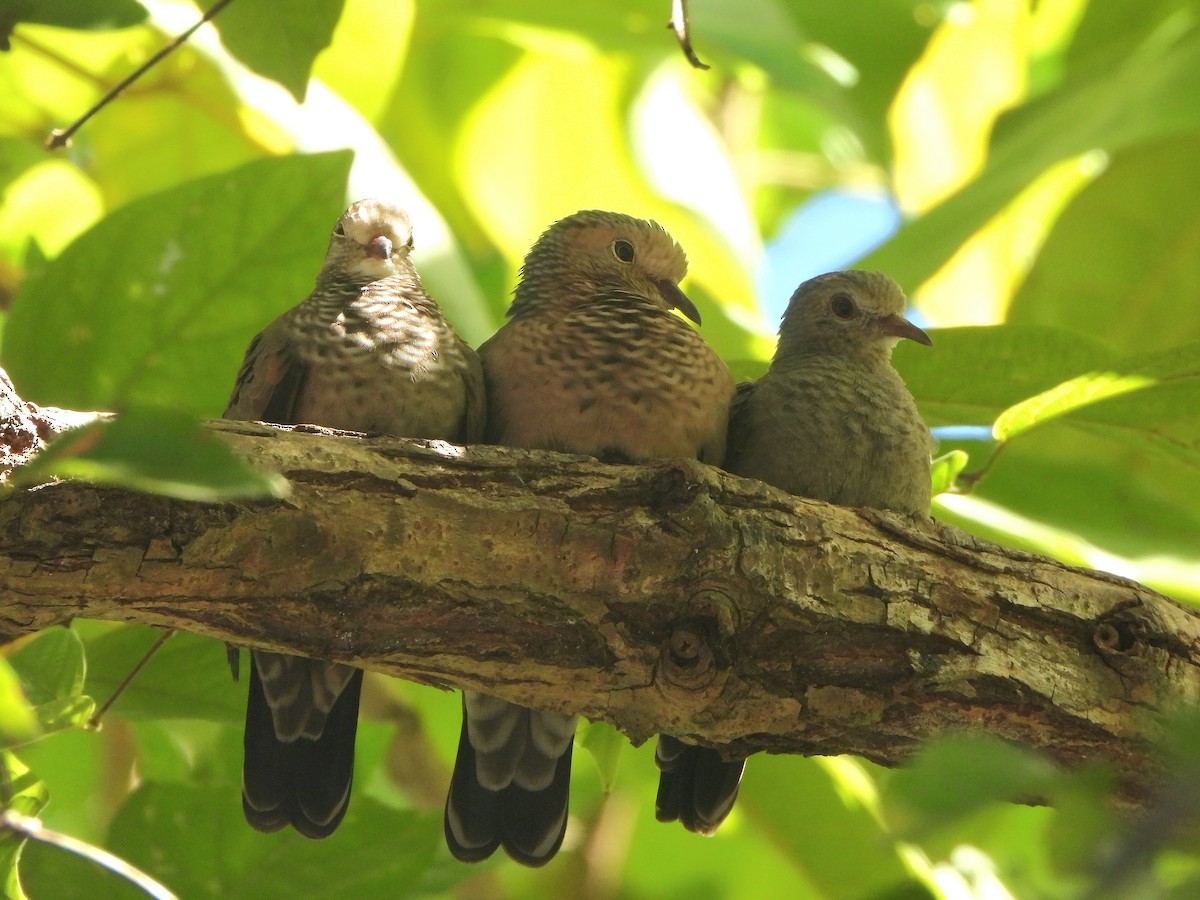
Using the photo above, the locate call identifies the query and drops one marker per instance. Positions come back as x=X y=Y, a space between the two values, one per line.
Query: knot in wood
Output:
x=1125 y=641
x=692 y=654
x=688 y=661
x=1115 y=637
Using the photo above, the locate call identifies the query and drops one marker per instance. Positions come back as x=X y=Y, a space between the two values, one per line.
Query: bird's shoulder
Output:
x=272 y=372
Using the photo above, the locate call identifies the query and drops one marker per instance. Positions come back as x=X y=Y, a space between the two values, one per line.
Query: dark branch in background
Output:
x=679 y=24
x=61 y=137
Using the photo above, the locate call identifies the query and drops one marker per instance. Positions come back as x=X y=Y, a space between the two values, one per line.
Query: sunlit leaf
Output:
x=946 y=468
x=1154 y=399
x=65 y=712
x=836 y=820
x=94 y=15
x=1063 y=398
x=971 y=375
x=881 y=41
x=1112 y=108
x=605 y=745
x=1125 y=252
x=153 y=450
x=24 y=794
x=184 y=121
x=51 y=666
x=155 y=304
x=973 y=68
x=589 y=152
x=281 y=47
x=18 y=721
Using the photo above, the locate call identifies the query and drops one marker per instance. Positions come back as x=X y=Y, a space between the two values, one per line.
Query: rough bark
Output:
x=666 y=597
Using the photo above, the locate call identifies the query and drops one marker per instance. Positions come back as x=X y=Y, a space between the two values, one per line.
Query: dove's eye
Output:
x=340 y=229
x=842 y=306
x=623 y=250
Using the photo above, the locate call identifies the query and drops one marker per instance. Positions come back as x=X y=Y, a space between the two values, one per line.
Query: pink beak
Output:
x=379 y=247
x=898 y=326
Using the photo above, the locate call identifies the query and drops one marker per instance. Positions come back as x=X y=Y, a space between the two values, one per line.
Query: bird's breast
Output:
x=638 y=389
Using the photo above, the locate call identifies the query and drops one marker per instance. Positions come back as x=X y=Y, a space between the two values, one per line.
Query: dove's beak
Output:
x=677 y=299
x=379 y=247
x=900 y=327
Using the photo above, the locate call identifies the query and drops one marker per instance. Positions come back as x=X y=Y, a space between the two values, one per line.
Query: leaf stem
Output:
x=32 y=827
x=94 y=721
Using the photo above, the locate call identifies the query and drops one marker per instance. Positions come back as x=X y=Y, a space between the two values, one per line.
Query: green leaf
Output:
x=182 y=836
x=176 y=750
x=743 y=860
x=605 y=744
x=849 y=59
x=971 y=375
x=18 y=155
x=1085 y=822
x=1152 y=93
x=1123 y=253
x=158 y=451
x=1101 y=491
x=1152 y=401
x=51 y=666
x=18 y=722
x=281 y=47
x=95 y=15
x=182 y=120
x=24 y=794
x=838 y=841
x=188 y=678
x=52 y=669
x=65 y=712
x=73 y=765
x=155 y=305
x=953 y=777
x=1064 y=398
x=946 y=469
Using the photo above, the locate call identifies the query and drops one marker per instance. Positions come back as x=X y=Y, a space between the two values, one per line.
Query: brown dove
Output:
x=592 y=361
x=368 y=350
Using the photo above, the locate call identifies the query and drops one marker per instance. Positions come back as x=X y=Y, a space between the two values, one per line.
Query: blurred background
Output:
x=1026 y=170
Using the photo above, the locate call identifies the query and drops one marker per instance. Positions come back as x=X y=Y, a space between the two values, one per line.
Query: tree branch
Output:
x=665 y=597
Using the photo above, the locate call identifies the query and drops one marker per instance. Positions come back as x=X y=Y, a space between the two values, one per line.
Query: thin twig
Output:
x=679 y=24
x=32 y=827
x=61 y=137
x=968 y=481
x=94 y=721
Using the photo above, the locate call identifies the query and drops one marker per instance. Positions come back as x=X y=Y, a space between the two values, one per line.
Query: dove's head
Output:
x=371 y=240
x=849 y=314
x=595 y=254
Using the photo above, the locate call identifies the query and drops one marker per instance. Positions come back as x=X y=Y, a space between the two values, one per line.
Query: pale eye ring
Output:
x=842 y=306
x=623 y=250
x=339 y=229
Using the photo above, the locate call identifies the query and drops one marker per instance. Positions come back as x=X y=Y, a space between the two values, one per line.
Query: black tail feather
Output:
x=696 y=786
x=305 y=783
x=529 y=825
